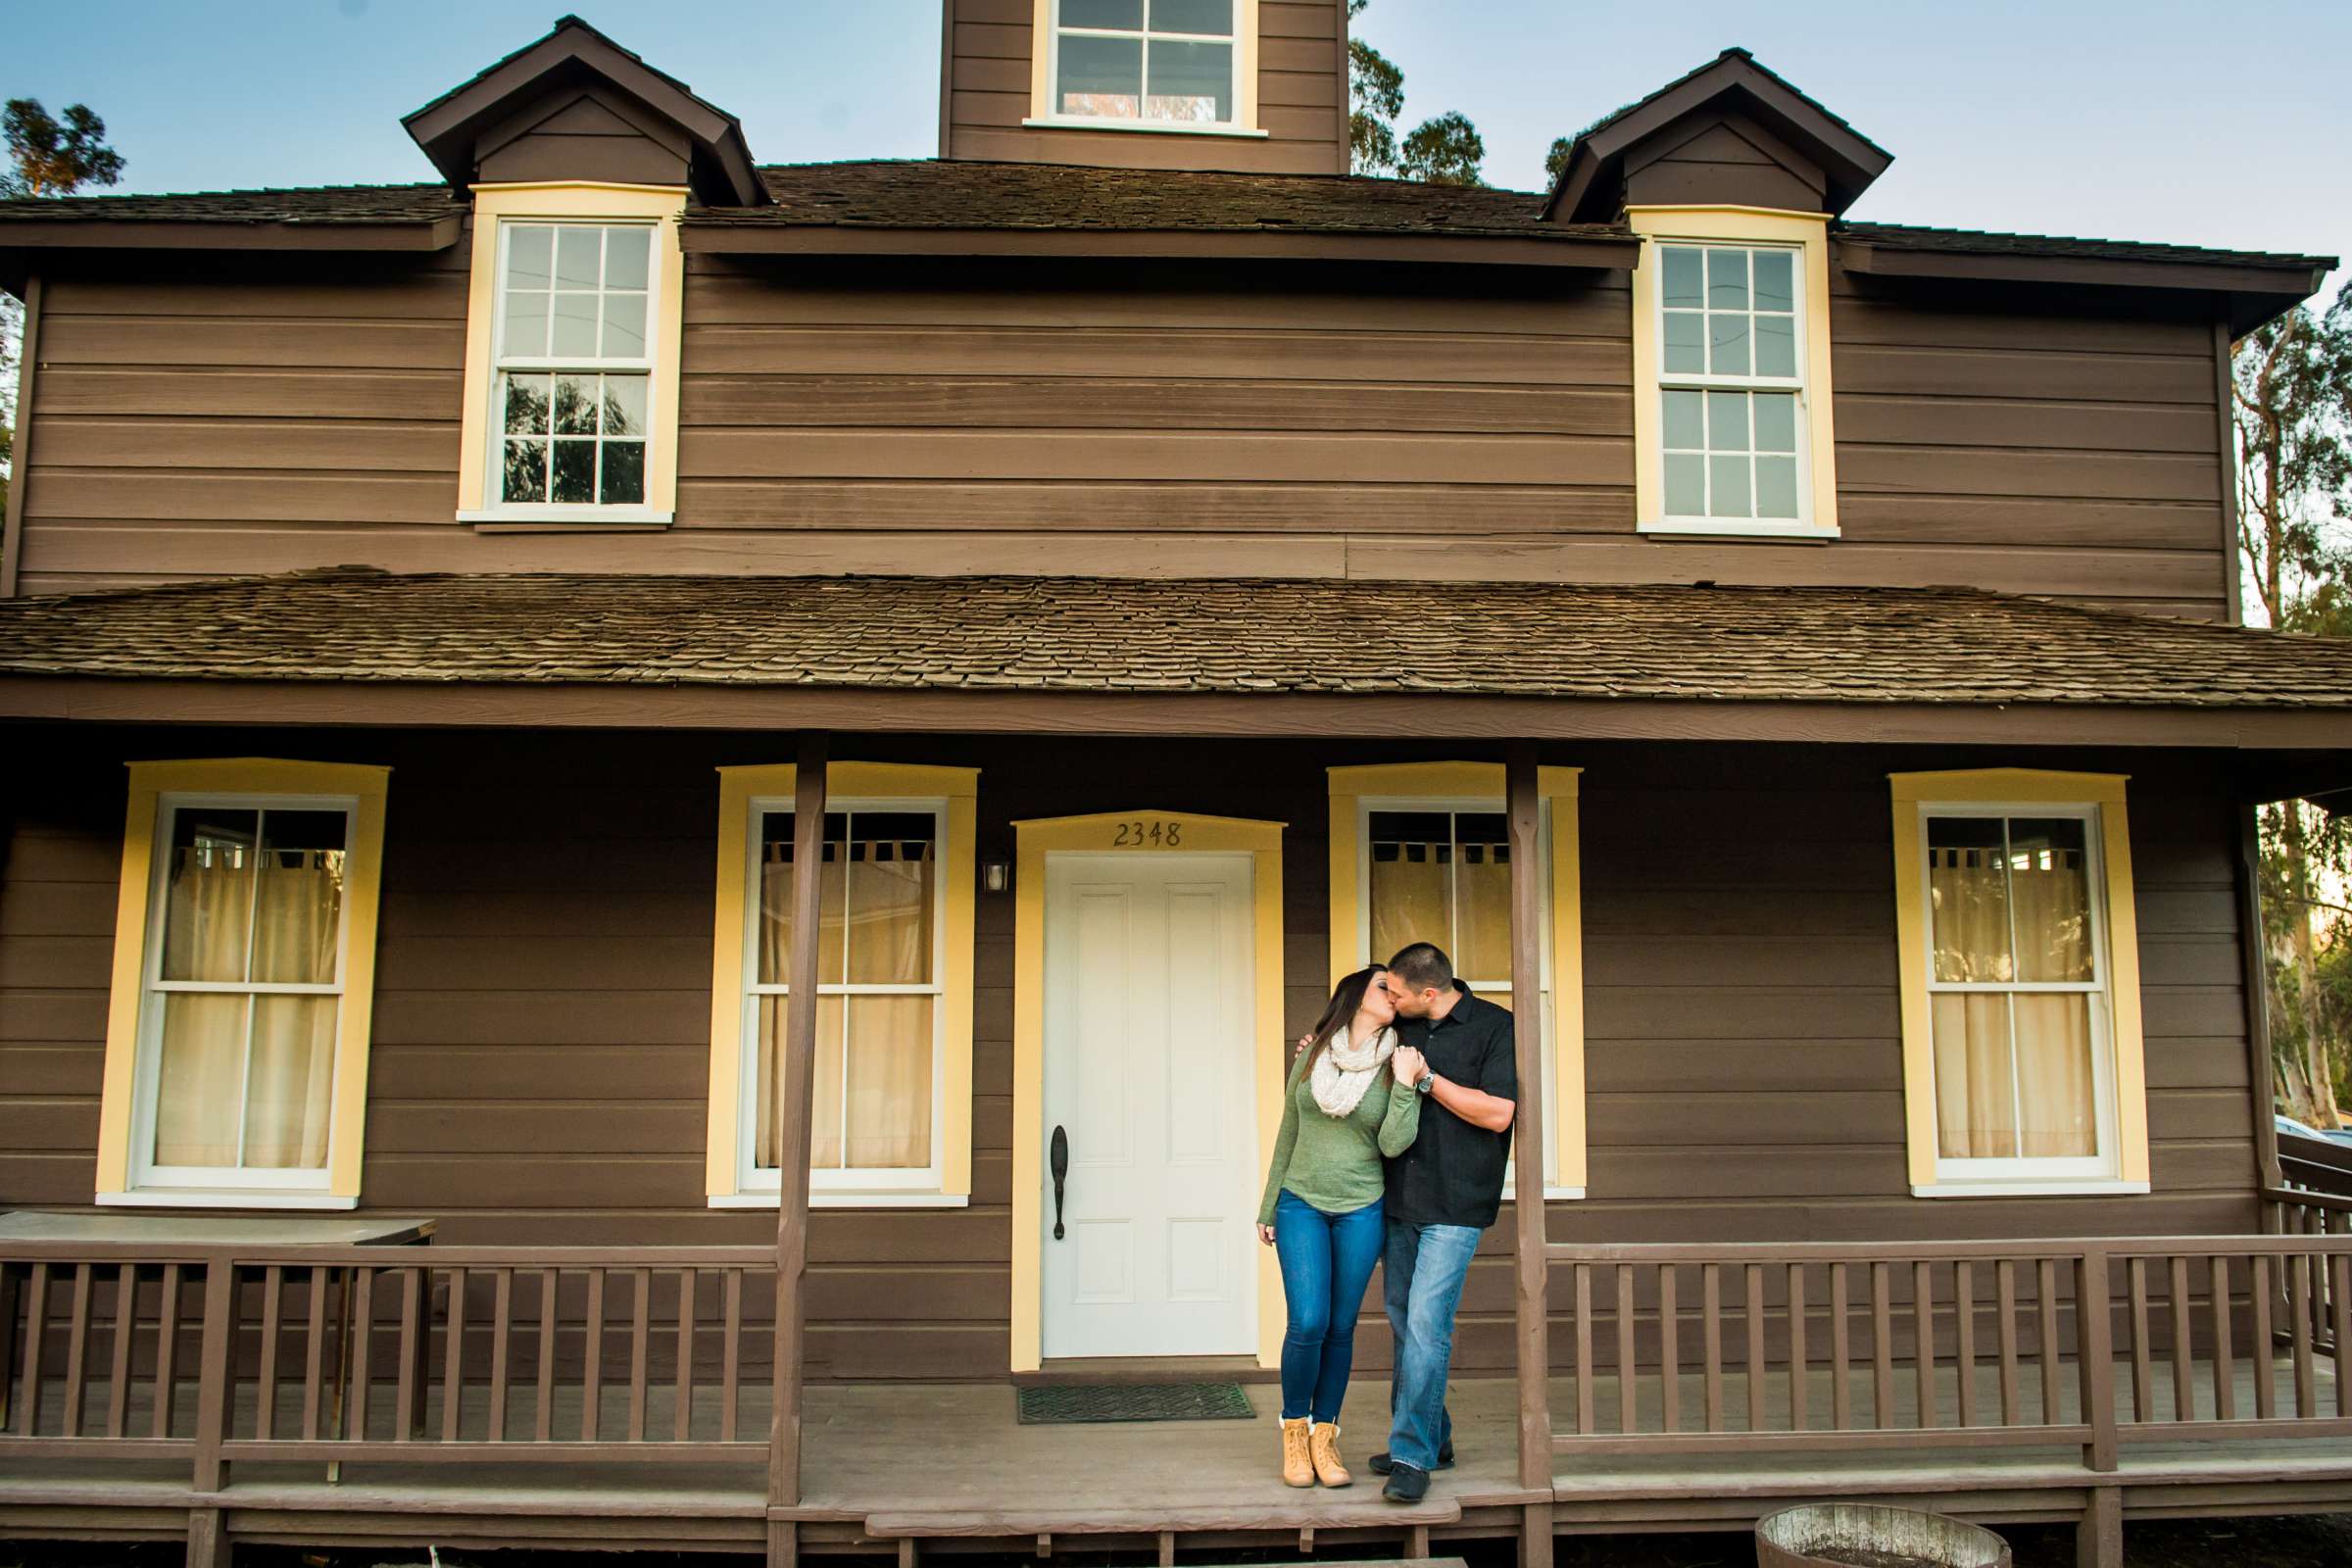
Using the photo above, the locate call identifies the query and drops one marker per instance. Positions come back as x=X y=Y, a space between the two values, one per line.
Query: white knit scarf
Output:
x=1344 y=1071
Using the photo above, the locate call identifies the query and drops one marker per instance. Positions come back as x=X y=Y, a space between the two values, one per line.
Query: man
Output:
x=1458 y=1051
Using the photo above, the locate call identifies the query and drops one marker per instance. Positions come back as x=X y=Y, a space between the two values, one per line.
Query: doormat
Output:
x=1135 y=1402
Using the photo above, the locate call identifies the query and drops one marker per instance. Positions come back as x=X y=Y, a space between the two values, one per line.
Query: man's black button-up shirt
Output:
x=1452 y=1174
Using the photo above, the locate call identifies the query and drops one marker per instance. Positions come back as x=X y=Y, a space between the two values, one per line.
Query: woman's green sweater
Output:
x=1332 y=1162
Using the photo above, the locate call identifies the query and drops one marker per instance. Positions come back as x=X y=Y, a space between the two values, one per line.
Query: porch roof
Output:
x=1699 y=643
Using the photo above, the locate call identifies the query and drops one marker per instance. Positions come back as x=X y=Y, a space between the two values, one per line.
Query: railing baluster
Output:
x=1841 y=1352
x=453 y=1359
x=1881 y=1347
x=1752 y=1301
x=126 y=1332
x=1625 y=1347
x=77 y=1350
x=2184 y=1366
x=2144 y=1380
x=1801 y=1372
x=2224 y=1365
x=407 y=1416
x=2094 y=1354
x=2306 y=1396
x=167 y=1349
x=1585 y=1398
x=2005 y=1280
x=1922 y=1353
x=264 y=1394
x=543 y=1418
x=1964 y=1337
x=640 y=1288
x=501 y=1327
x=731 y=1362
x=362 y=1353
x=592 y=1379
x=2340 y=1292
x=1712 y=1332
x=1670 y=1358
x=2045 y=1303
x=686 y=1311
x=2262 y=1360
x=313 y=1354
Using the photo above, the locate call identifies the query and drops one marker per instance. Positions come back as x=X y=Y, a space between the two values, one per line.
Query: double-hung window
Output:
x=1168 y=65
x=574 y=367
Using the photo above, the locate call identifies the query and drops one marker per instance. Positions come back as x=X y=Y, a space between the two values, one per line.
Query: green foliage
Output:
x=54 y=159
x=1556 y=162
x=1444 y=151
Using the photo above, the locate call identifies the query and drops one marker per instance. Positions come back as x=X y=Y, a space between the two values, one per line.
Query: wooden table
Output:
x=119 y=1228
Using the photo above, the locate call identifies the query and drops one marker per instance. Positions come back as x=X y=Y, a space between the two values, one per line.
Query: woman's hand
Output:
x=1266 y=1234
x=1408 y=1064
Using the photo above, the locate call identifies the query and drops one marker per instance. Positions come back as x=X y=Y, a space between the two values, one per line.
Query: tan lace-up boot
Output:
x=1297 y=1470
x=1323 y=1445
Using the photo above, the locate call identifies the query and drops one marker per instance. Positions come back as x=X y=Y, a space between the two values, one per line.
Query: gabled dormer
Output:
x=1253 y=85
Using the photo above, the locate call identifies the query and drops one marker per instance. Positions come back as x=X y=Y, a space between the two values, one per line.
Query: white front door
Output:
x=1148 y=1072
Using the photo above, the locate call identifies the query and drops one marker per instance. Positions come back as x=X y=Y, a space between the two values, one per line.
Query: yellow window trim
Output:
x=2023 y=785
x=347 y=1113
x=1245 y=80
x=1810 y=232
x=1351 y=787
x=1037 y=839
x=738 y=787
x=585 y=200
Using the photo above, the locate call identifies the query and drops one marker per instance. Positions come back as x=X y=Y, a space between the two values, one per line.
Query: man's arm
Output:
x=1474 y=1105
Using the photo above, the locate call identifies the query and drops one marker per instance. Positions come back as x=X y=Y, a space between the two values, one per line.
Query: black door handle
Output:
x=1060 y=1160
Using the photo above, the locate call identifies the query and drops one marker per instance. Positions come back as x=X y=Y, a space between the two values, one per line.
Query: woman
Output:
x=1344 y=1110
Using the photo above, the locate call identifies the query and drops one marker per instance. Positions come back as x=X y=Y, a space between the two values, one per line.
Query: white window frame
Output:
x=495 y=507
x=1670 y=381
x=1484 y=805
x=867 y=1187
x=244 y=1181
x=1046 y=79
x=2020 y=1174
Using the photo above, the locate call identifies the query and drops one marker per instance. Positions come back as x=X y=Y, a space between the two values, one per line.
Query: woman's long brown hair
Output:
x=1347 y=997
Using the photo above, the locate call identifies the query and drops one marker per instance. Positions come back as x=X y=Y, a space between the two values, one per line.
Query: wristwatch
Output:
x=1427 y=1081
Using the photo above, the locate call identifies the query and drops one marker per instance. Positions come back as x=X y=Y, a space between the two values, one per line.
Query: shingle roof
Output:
x=1979 y=242
x=324 y=204
x=1741 y=644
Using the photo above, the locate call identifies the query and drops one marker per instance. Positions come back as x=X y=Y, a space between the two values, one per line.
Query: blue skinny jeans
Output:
x=1326 y=1264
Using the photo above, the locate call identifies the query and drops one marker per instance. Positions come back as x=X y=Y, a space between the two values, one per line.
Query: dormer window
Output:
x=1146 y=65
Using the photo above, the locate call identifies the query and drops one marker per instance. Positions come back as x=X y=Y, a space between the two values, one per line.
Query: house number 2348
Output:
x=1149 y=835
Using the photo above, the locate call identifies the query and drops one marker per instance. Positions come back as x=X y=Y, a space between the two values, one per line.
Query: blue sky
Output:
x=2203 y=124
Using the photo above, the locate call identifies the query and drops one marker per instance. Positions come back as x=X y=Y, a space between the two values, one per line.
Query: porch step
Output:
x=1370 y=1513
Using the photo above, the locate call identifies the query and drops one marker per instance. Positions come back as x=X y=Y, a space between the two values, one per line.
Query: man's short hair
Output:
x=1424 y=966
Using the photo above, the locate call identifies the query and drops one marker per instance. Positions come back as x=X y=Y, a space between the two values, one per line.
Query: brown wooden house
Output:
x=1794 y=660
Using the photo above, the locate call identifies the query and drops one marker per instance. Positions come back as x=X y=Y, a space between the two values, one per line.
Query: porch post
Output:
x=1528 y=873
x=2255 y=986
x=794 y=1085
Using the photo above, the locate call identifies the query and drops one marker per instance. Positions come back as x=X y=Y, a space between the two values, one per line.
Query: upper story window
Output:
x=1731 y=374
x=1161 y=64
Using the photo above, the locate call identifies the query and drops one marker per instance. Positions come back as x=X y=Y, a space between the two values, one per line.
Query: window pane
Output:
x=1685 y=485
x=625 y=405
x=2055 y=1097
x=1776 y=345
x=208 y=898
x=824 y=1142
x=1726 y=280
x=1776 y=487
x=1686 y=422
x=574 y=476
x=526 y=325
x=299 y=892
x=1482 y=947
x=1101 y=76
x=529 y=247
x=1127 y=14
x=776 y=899
x=1727 y=421
x=1727 y=487
x=1192 y=16
x=575 y=328
x=290 y=1078
x=623 y=481
x=200 y=1079
x=575 y=405
x=1727 y=345
x=1976 y=1105
x=888 y=1093
x=1411 y=880
x=892 y=866
x=627 y=251
x=1191 y=83
x=525 y=472
x=2049 y=888
x=1775 y=421
x=576 y=253
x=1776 y=275
x=1967 y=897
x=1686 y=343
x=527 y=397
x=624 y=326
x=1682 y=272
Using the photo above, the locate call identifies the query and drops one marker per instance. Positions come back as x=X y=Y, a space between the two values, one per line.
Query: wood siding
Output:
x=541 y=1026
x=206 y=417
x=1301 y=98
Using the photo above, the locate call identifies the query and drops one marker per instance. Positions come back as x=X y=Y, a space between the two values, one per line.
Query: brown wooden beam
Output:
x=1522 y=803
x=2224 y=395
x=2254 y=983
x=12 y=529
x=794 y=1088
x=164 y=234
x=2290 y=280
x=101 y=700
x=1478 y=249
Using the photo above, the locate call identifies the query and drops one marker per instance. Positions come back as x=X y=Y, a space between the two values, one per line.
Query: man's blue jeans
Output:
x=1425 y=1266
x=1326 y=1262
